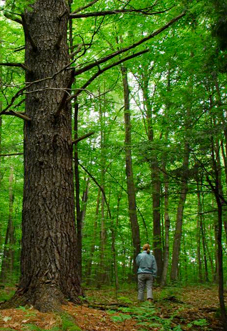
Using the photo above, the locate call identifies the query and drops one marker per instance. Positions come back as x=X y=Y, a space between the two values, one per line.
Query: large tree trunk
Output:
x=48 y=259
x=129 y=172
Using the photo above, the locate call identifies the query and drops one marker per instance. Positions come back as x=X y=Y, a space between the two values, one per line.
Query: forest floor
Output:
x=187 y=308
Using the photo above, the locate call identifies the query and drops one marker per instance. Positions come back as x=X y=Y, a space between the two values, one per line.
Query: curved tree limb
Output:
x=85 y=7
x=83 y=137
x=123 y=50
x=143 y=11
x=101 y=71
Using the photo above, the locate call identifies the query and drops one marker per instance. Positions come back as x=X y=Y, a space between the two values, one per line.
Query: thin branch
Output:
x=15 y=64
x=9 y=64
x=85 y=7
x=123 y=50
x=101 y=71
x=144 y=11
x=12 y=18
x=101 y=189
x=13 y=154
x=21 y=91
x=20 y=115
x=18 y=49
x=83 y=137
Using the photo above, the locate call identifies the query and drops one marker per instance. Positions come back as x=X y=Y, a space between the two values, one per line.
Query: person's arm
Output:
x=138 y=260
x=154 y=267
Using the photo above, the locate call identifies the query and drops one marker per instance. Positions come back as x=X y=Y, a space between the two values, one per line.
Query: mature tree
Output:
x=48 y=259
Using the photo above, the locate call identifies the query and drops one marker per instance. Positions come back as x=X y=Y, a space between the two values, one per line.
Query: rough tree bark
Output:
x=48 y=259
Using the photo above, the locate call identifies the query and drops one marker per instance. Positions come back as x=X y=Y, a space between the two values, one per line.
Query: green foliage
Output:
x=182 y=71
x=68 y=324
x=146 y=317
x=201 y=322
x=121 y=318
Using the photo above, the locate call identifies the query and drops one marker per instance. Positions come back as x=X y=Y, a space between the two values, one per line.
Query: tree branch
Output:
x=29 y=84
x=102 y=190
x=13 y=154
x=12 y=64
x=141 y=41
x=144 y=11
x=98 y=73
x=83 y=137
x=20 y=115
x=11 y=17
x=85 y=7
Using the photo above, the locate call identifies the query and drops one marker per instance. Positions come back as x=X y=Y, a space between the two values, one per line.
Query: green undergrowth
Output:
x=146 y=317
x=65 y=323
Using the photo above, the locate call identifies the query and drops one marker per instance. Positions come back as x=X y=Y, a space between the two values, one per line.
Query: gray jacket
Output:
x=146 y=263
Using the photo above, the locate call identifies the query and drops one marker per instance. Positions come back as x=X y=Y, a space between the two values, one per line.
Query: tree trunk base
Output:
x=45 y=298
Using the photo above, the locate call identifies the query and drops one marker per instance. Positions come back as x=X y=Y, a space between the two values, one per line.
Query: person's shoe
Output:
x=150 y=300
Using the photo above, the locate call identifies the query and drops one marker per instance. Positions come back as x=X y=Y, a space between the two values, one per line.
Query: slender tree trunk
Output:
x=49 y=270
x=84 y=200
x=224 y=150
x=8 y=254
x=77 y=189
x=114 y=228
x=167 y=227
x=198 y=229
x=217 y=190
x=1 y=174
x=220 y=266
x=155 y=179
x=179 y=220
x=225 y=165
x=129 y=172
x=89 y=266
x=201 y=225
x=102 y=275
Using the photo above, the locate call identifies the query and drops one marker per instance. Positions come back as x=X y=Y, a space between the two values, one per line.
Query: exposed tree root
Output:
x=44 y=298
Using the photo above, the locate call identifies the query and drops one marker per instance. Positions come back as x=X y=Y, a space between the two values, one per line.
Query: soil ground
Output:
x=189 y=308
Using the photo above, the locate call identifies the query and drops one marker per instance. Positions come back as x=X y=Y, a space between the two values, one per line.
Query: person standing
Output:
x=147 y=269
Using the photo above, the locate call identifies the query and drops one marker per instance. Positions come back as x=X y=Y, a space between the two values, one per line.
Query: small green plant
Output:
x=146 y=317
x=32 y=327
x=68 y=323
x=6 y=294
x=121 y=318
x=125 y=300
x=177 y=328
x=201 y=322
